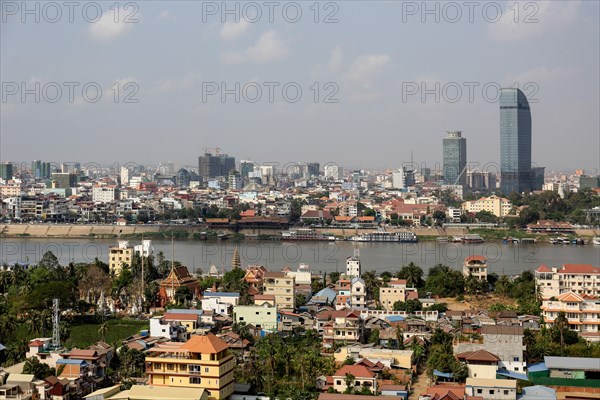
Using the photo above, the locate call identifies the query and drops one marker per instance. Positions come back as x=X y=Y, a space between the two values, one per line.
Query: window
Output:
x=338 y=382
x=206 y=369
x=492 y=391
x=170 y=367
x=479 y=391
x=157 y=366
x=195 y=380
x=515 y=358
x=506 y=392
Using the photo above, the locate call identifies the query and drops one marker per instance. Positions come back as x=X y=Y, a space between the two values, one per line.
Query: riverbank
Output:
x=181 y=232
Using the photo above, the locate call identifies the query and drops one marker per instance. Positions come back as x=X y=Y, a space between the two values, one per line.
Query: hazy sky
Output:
x=375 y=61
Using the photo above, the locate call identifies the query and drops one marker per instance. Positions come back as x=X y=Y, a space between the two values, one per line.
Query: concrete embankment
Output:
x=113 y=231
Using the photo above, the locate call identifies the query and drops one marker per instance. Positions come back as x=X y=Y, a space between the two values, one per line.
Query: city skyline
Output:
x=373 y=72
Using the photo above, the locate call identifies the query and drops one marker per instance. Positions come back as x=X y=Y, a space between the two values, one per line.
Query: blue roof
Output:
x=326 y=292
x=72 y=361
x=395 y=318
x=221 y=294
x=512 y=374
x=441 y=374
x=539 y=367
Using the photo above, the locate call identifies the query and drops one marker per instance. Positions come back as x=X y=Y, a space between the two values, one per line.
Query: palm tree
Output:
x=412 y=273
x=103 y=330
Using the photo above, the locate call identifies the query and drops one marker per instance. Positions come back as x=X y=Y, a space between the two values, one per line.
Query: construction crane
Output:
x=459 y=175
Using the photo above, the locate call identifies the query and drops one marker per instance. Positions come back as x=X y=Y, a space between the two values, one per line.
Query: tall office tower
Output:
x=455 y=158
x=234 y=180
x=215 y=165
x=515 y=142
x=246 y=167
x=6 y=171
x=40 y=170
x=313 y=170
x=403 y=178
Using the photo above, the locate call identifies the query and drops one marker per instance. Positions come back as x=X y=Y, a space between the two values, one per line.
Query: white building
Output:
x=583 y=279
x=582 y=312
x=124 y=176
x=403 y=178
x=358 y=293
x=104 y=194
x=220 y=302
x=353 y=266
x=333 y=172
x=145 y=248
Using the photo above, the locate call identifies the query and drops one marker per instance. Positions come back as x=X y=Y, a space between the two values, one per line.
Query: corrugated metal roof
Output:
x=572 y=363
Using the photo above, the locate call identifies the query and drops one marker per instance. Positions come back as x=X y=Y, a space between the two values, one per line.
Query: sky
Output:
x=356 y=83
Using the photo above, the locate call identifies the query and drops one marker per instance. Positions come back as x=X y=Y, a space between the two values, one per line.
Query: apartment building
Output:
x=203 y=362
x=476 y=266
x=105 y=194
x=358 y=293
x=339 y=326
x=120 y=255
x=395 y=291
x=582 y=312
x=583 y=279
x=260 y=316
x=281 y=286
x=499 y=206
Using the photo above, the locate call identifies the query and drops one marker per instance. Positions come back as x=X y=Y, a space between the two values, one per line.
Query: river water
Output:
x=198 y=256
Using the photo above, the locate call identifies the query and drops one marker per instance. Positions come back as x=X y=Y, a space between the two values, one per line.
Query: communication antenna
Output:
x=55 y=323
x=143 y=282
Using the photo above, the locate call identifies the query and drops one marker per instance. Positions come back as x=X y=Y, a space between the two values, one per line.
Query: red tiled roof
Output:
x=479 y=355
x=207 y=344
x=475 y=258
x=36 y=343
x=359 y=371
x=180 y=317
x=543 y=268
x=579 y=269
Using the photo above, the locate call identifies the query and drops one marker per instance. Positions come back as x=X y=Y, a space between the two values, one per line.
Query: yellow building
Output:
x=281 y=286
x=120 y=255
x=202 y=362
x=499 y=206
x=396 y=291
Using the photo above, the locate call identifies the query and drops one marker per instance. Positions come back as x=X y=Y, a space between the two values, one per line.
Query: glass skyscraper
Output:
x=455 y=158
x=515 y=142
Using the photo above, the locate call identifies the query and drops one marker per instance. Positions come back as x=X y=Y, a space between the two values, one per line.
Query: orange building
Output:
x=202 y=362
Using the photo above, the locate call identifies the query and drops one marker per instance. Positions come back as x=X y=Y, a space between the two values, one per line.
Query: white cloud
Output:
x=269 y=47
x=542 y=74
x=232 y=30
x=184 y=82
x=525 y=19
x=166 y=16
x=365 y=67
x=106 y=29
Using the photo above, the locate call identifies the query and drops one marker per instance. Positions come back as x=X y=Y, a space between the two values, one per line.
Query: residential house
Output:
x=492 y=389
x=475 y=266
x=362 y=377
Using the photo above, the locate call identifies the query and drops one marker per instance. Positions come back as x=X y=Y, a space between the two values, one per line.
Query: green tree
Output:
x=412 y=273
x=410 y=306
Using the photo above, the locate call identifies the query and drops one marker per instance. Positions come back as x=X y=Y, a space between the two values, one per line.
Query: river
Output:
x=321 y=256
